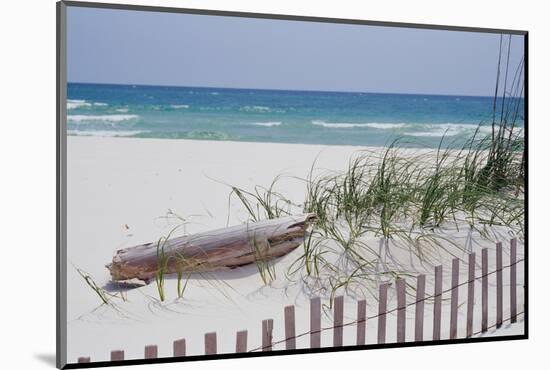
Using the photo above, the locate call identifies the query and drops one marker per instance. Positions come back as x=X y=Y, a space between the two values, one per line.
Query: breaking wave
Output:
x=101 y=118
x=106 y=133
x=376 y=125
x=267 y=124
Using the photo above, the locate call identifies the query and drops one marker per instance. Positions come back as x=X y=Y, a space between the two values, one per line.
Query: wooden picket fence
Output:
x=210 y=339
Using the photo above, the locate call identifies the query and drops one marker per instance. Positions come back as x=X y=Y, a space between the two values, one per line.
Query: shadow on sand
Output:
x=221 y=275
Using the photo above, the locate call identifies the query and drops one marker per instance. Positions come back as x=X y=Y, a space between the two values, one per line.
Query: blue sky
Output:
x=132 y=47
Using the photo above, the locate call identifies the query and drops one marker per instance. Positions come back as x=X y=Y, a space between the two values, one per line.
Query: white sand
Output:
x=119 y=192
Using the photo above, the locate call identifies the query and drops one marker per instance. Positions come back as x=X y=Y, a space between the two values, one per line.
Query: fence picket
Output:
x=513 y=289
x=471 y=287
x=210 y=344
x=151 y=351
x=338 y=328
x=179 y=348
x=242 y=338
x=382 y=308
x=361 y=322
x=117 y=355
x=438 y=288
x=315 y=322
x=454 y=298
x=484 y=289
x=419 y=310
x=290 y=327
x=401 y=286
x=267 y=335
x=210 y=339
x=499 y=285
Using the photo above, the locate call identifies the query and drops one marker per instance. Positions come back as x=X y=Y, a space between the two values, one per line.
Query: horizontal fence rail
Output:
x=401 y=307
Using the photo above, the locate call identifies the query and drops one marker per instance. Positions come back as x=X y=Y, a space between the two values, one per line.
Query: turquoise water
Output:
x=332 y=118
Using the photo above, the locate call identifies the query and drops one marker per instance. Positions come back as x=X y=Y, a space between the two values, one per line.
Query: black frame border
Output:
x=61 y=171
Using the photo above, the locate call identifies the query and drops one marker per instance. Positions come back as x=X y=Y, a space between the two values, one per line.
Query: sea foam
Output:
x=105 y=133
x=447 y=129
x=255 y=108
x=375 y=125
x=74 y=103
x=77 y=103
x=266 y=124
x=413 y=129
x=102 y=118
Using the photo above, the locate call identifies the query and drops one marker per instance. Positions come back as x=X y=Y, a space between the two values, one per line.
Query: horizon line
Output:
x=273 y=89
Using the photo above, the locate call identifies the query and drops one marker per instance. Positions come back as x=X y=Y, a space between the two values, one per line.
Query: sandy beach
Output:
x=121 y=193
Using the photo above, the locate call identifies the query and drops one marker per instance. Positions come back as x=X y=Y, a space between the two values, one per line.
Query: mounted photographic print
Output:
x=232 y=184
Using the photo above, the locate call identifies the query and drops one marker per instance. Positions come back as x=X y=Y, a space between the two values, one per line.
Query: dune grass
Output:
x=263 y=202
x=402 y=197
x=262 y=260
x=103 y=295
x=163 y=259
x=415 y=200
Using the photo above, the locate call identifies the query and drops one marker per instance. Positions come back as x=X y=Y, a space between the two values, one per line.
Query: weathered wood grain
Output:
x=453 y=327
x=438 y=289
x=338 y=329
x=267 y=335
x=499 y=285
x=117 y=355
x=401 y=286
x=361 y=322
x=151 y=351
x=513 y=281
x=242 y=338
x=382 y=309
x=212 y=250
x=179 y=348
x=315 y=322
x=210 y=344
x=419 y=310
x=471 y=291
x=484 y=289
x=290 y=328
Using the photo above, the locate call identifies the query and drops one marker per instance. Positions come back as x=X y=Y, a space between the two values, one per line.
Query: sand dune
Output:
x=121 y=192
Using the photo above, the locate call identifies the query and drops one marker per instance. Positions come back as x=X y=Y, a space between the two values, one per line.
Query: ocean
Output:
x=305 y=117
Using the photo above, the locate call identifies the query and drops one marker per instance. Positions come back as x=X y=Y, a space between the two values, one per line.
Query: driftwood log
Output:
x=213 y=250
